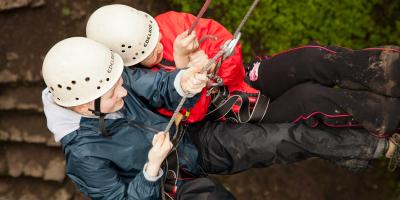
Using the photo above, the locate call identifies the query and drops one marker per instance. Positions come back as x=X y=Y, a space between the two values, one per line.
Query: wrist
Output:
x=181 y=61
x=181 y=54
x=152 y=169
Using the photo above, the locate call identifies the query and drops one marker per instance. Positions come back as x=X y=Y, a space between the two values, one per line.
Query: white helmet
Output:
x=78 y=70
x=131 y=33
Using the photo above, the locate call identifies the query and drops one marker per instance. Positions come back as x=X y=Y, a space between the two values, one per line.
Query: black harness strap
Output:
x=222 y=104
x=167 y=63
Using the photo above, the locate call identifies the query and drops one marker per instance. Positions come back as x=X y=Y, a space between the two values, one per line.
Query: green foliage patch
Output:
x=278 y=25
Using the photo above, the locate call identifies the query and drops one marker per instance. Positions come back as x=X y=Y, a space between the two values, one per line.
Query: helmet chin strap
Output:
x=101 y=116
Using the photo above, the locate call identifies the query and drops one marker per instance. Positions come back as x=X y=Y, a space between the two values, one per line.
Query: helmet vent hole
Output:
x=123 y=51
x=76 y=98
x=87 y=79
x=73 y=82
x=142 y=52
x=68 y=88
x=123 y=45
x=59 y=86
x=134 y=58
x=129 y=46
x=107 y=79
x=49 y=91
x=51 y=88
x=58 y=98
x=137 y=53
x=98 y=87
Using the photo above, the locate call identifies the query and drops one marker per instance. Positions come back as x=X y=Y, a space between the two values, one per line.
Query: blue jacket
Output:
x=112 y=167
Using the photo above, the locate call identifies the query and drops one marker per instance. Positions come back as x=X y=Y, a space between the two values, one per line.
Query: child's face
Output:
x=112 y=100
x=156 y=56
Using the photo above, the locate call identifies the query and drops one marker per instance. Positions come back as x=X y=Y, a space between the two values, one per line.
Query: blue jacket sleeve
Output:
x=155 y=86
x=97 y=179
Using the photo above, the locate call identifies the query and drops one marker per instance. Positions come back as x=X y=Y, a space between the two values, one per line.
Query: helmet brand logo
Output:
x=110 y=67
x=148 y=36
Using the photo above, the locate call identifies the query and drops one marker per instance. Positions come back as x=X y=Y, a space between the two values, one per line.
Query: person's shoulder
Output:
x=83 y=144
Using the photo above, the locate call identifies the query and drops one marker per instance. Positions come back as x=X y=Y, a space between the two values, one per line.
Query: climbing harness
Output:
x=226 y=49
x=223 y=103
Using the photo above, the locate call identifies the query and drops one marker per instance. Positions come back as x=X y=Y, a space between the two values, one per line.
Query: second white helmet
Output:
x=131 y=33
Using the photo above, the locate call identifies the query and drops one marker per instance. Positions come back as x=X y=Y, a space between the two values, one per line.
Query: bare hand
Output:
x=158 y=153
x=184 y=45
x=195 y=78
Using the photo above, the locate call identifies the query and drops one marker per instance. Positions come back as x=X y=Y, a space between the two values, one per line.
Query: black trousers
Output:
x=332 y=106
x=204 y=188
x=368 y=83
x=229 y=148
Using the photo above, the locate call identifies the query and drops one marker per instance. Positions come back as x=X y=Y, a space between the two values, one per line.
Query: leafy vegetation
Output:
x=278 y=25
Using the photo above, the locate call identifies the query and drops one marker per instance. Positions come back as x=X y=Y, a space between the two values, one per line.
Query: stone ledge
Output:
x=21 y=98
x=12 y=4
x=26 y=188
x=27 y=127
x=33 y=160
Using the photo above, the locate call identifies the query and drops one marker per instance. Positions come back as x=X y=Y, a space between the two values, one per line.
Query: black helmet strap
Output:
x=101 y=116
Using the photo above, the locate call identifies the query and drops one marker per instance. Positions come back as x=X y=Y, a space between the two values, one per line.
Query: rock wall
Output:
x=32 y=165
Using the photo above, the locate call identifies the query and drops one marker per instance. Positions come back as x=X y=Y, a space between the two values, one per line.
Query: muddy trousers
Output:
x=364 y=78
x=375 y=69
x=336 y=107
x=229 y=148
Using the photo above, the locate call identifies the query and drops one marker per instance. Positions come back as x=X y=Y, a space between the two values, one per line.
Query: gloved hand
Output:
x=193 y=79
x=184 y=45
x=158 y=153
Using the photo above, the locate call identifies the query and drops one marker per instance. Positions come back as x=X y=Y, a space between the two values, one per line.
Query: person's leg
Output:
x=227 y=148
x=376 y=113
x=204 y=188
x=377 y=70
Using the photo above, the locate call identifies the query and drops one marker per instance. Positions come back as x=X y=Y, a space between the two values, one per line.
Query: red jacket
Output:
x=232 y=71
